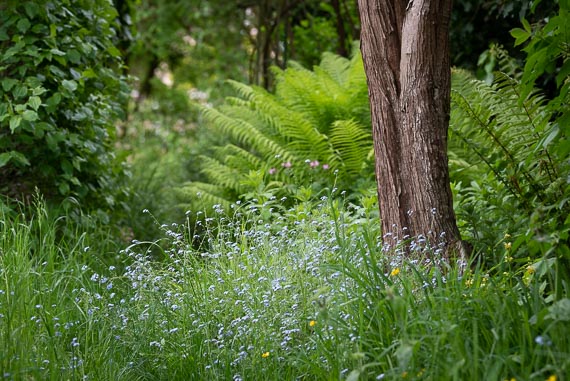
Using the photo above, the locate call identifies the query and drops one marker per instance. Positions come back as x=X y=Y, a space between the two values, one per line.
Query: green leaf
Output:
x=67 y=167
x=39 y=29
x=35 y=102
x=23 y=25
x=57 y=71
x=26 y=126
x=40 y=129
x=4 y=158
x=69 y=85
x=526 y=25
x=38 y=90
x=405 y=352
x=33 y=82
x=89 y=73
x=114 y=51
x=563 y=74
x=51 y=142
x=559 y=311
x=60 y=60
x=20 y=91
x=3 y=35
x=520 y=35
x=15 y=122
x=32 y=9
x=14 y=50
x=75 y=73
x=30 y=115
x=57 y=52
x=8 y=83
x=76 y=163
x=3 y=111
x=63 y=188
x=53 y=100
x=75 y=181
x=19 y=158
x=549 y=138
x=74 y=56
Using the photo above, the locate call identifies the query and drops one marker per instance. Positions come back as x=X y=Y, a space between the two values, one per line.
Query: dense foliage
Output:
x=510 y=148
x=60 y=97
x=275 y=272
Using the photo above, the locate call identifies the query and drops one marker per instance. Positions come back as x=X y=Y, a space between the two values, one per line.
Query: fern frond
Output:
x=290 y=127
x=352 y=143
x=202 y=196
x=245 y=91
x=238 y=156
x=221 y=173
x=336 y=67
x=245 y=133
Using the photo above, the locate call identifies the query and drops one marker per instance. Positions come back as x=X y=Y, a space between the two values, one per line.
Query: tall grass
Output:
x=310 y=295
x=46 y=301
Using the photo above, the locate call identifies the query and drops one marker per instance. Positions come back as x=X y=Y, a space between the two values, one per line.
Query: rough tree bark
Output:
x=406 y=58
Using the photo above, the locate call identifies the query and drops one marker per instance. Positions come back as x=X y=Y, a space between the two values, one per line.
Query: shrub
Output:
x=60 y=98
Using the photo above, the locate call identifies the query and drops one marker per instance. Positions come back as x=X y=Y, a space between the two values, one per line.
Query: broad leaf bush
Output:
x=60 y=96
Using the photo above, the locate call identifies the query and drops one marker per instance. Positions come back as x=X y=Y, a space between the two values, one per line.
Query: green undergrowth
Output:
x=310 y=295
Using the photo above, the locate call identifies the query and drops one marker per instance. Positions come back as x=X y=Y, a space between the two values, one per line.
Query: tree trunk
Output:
x=340 y=31
x=406 y=58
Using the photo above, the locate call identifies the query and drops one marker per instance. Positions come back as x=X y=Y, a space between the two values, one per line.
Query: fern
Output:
x=503 y=131
x=275 y=140
x=498 y=148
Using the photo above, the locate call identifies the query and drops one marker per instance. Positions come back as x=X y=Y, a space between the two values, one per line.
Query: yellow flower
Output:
x=395 y=272
x=530 y=270
x=312 y=323
x=507 y=236
x=265 y=355
x=508 y=245
x=552 y=378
